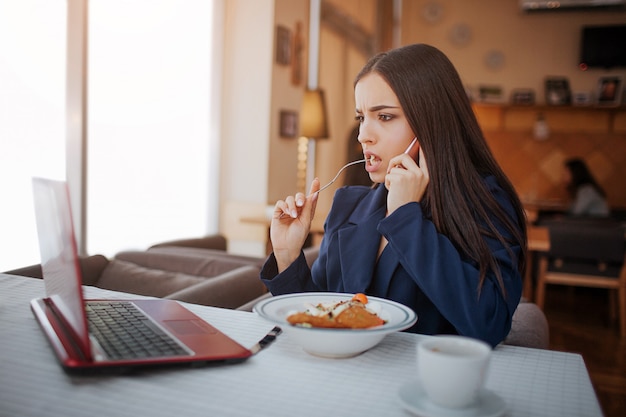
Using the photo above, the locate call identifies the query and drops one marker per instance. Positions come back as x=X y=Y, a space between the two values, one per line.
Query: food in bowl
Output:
x=333 y=342
x=346 y=314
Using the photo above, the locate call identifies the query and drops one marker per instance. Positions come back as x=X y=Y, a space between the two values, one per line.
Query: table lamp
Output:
x=313 y=125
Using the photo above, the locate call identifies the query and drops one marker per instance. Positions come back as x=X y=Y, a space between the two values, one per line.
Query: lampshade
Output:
x=313 y=122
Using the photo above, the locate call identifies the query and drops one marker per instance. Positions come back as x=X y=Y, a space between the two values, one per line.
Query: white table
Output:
x=282 y=380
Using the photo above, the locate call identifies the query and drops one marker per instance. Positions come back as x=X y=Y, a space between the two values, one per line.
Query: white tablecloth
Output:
x=282 y=380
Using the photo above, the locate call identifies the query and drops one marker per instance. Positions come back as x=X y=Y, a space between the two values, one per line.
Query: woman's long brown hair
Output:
x=439 y=112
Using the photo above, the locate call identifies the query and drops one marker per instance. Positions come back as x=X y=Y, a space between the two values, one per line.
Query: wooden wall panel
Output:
x=535 y=166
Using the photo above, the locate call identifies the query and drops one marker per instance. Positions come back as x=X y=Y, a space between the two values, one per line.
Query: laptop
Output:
x=77 y=329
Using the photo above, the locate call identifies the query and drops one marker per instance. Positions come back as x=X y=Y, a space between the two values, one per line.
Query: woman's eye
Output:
x=385 y=117
x=359 y=118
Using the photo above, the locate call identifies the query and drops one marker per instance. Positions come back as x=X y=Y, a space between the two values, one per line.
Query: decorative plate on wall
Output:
x=494 y=59
x=461 y=34
x=432 y=12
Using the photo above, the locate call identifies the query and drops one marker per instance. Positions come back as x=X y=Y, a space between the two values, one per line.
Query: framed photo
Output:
x=490 y=93
x=283 y=45
x=610 y=91
x=523 y=97
x=288 y=124
x=557 y=91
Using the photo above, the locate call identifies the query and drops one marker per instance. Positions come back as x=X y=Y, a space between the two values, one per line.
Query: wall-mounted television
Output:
x=603 y=47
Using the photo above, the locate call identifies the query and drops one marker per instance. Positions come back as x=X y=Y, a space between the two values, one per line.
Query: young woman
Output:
x=442 y=231
x=588 y=198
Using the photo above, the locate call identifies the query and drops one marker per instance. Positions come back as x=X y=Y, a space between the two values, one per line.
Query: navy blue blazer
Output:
x=419 y=267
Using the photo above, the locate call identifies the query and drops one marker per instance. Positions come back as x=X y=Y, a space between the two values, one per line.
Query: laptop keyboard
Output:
x=124 y=332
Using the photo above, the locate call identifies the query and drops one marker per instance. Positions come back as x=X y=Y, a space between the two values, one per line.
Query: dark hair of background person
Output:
x=581 y=176
x=439 y=112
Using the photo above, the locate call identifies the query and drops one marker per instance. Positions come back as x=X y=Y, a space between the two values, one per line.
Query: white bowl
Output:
x=334 y=343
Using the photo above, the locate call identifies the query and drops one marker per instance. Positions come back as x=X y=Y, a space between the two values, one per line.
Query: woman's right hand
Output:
x=291 y=223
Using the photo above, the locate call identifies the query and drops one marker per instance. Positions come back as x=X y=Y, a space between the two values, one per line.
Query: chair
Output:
x=586 y=253
x=529 y=327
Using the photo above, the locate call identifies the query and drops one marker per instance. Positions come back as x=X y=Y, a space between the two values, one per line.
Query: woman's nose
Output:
x=364 y=140
x=363 y=136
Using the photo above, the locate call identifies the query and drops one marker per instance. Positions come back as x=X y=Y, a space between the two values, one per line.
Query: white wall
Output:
x=533 y=45
x=254 y=159
x=246 y=101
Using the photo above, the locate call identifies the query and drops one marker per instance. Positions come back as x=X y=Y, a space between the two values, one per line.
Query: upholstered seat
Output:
x=586 y=253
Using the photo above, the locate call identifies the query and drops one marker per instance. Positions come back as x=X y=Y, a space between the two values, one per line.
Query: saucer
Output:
x=414 y=399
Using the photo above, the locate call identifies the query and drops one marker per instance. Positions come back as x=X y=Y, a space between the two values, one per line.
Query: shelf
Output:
x=546 y=107
x=587 y=119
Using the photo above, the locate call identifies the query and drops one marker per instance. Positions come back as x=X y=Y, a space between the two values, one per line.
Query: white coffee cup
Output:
x=452 y=369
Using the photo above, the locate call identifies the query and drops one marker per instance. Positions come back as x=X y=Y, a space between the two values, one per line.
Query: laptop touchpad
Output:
x=185 y=327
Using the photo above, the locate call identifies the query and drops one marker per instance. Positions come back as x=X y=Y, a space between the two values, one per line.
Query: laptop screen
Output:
x=59 y=254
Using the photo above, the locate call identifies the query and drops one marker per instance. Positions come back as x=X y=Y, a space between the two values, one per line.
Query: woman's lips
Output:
x=372 y=163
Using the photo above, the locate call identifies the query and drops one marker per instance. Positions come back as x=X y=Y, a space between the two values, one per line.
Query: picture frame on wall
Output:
x=490 y=93
x=557 y=91
x=288 y=124
x=610 y=91
x=283 y=45
x=523 y=97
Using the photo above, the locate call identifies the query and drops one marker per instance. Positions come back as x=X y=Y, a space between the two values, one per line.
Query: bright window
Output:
x=32 y=117
x=152 y=138
x=149 y=122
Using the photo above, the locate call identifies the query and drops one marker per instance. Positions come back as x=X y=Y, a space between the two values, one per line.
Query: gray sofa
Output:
x=201 y=272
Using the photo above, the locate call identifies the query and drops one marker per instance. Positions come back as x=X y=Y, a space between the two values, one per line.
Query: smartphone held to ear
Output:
x=413 y=142
x=417 y=158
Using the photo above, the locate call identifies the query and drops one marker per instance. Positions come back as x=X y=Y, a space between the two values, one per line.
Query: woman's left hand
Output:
x=406 y=181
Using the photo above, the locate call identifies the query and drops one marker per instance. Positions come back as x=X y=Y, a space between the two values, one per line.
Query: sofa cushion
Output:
x=192 y=261
x=207 y=242
x=208 y=253
x=229 y=290
x=128 y=277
